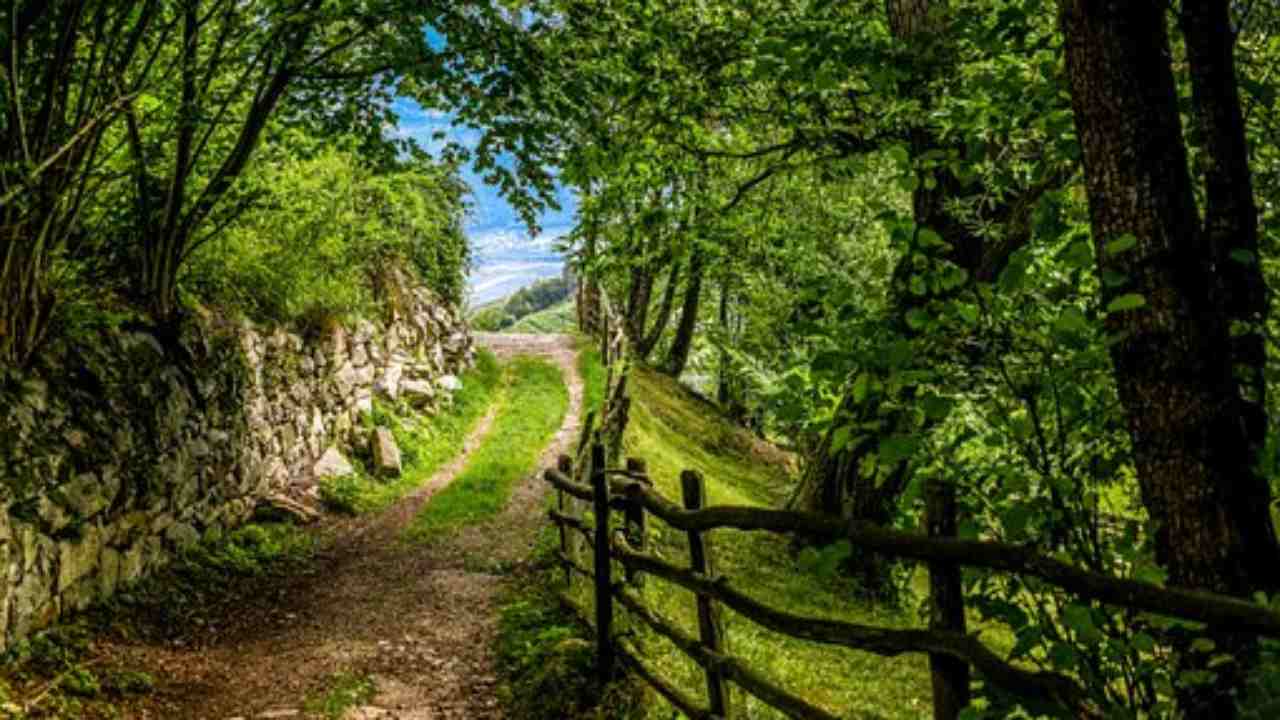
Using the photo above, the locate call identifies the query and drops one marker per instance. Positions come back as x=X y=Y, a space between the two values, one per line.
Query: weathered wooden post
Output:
x=603 y=565
x=636 y=532
x=710 y=625
x=946 y=599
x=565 y=465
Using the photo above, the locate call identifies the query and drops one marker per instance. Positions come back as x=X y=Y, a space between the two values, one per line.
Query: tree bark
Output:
x=724 y=388
x=1195 y=413
x=682 y=343
x=649 y=339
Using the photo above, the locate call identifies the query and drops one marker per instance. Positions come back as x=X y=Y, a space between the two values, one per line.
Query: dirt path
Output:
x=420 y=620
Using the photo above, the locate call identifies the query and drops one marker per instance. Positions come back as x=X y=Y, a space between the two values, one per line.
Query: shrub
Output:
x=325 y=224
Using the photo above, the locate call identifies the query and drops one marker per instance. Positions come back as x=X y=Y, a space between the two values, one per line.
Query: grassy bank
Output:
x=530 y=411
x=426 y=443
x=674 y=430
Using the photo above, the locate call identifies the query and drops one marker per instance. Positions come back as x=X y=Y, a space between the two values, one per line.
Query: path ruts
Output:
x=419 y=619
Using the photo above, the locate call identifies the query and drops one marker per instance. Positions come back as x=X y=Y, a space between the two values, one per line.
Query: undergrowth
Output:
x=528 y=416
x=545 y=656
x=426 y=442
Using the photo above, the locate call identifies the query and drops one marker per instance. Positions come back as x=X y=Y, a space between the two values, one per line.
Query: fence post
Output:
x=603 y=565
x=636 y=532
x=565 y=465
x=710 y=627
x=950 y=676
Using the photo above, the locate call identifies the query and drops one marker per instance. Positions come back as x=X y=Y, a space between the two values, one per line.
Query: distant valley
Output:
x=507 y=259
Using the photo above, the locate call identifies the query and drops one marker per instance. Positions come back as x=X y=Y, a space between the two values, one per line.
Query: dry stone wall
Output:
x=119 y=449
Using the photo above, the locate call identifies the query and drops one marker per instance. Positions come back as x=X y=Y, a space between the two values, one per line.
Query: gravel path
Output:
x=420 y=620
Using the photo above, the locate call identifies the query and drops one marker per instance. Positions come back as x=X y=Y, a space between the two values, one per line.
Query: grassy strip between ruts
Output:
x=533 y=407
x=426 y=443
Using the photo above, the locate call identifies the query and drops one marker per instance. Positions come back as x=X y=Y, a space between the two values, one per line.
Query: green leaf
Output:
x=931 y=239
x=1111 y=278
x=896 y=448
x=1244 y=257
x=1078 y=255
x=1124 y=243
x=1128 y=301
x=1071 y=322
x=1203 y=645
x=936 y=407
x=840 y=438
x=967 y=312
x=917 y=319
x=917 y=285
x=861 y=385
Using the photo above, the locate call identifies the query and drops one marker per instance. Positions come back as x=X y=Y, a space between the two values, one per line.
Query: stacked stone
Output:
x=116 y=451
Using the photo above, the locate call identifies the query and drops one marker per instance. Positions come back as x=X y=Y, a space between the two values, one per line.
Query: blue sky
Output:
x=490 y=211
x=504 y=258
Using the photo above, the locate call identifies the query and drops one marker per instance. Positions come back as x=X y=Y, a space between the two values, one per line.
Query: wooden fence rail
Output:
x=952 y=651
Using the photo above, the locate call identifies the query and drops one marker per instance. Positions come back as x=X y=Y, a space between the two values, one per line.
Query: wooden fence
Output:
x=623 y=499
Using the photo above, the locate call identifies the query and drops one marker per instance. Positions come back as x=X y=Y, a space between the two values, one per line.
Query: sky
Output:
x=504 y=256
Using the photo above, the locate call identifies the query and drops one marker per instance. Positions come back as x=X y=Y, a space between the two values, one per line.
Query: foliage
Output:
x=131 y=131
x=426 y=442
x=530 y=410
x=323 y=228
x=526 y=301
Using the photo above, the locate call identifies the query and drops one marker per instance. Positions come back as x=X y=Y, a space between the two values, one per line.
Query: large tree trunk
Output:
x=1195 y=424
x=682 y=343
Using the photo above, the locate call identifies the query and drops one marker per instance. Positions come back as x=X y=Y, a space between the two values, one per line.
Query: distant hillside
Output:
x=522 y=304
x=503 y=260
x=558 y=318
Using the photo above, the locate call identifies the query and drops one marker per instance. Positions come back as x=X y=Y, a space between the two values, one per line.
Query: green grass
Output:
x=558 y=318
x=426 y=443
x=344 y=691
x=531 y=410
x=673 y=430
x=593 y=375
x=545 y=655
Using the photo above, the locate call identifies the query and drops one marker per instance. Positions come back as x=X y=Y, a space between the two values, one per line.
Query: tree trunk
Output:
x=682 y=344
x=724 y=389
x=588 y=292
x=649 y=339
x=639 y=294
x=1195 y=425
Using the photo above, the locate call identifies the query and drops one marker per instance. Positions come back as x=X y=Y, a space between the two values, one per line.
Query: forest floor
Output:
x=408 y=628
